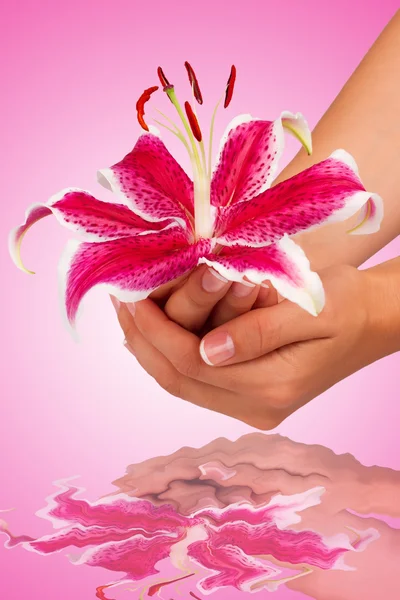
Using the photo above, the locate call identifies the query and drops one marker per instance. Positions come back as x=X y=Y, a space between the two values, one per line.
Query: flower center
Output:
x=192 y=138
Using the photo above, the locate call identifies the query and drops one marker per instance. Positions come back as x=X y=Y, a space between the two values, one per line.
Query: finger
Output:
x=179 y=346
x=238 y=300
x=231 y=307
x=261 y=331
x=230 y=385
x=267 y=296
x=162 y=293
x=182 y=349
x=196 y=392
x=191 y=304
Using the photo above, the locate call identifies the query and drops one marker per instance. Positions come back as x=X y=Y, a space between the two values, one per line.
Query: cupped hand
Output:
x=204 y=299
x=262 y=365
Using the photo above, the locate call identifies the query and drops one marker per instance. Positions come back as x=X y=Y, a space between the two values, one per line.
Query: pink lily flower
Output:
x=162 y=224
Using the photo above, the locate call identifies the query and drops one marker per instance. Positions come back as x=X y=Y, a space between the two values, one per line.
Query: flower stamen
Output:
x=145 y=97
x=164 y=81
x=210 y=142
x=176 y=131
x=195 y=127
x=194 y=83
x=230 y=86
x=193 y=122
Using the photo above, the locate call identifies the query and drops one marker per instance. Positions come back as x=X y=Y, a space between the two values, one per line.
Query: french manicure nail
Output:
x=213 y=281
x=241 y=290
x=131 y=306
x=116 y=303
x=217 y=348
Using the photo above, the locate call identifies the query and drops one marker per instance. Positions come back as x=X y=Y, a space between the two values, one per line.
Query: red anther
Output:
x=194 y=83
x=164 y=81
x=193 y=122
x=229 y=86
x=145 y=97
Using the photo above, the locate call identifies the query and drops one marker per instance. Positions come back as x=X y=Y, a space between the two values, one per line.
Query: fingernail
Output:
x=129 y=347
x=116 y=303
x=265 y=285
x=131 y=306
x=241 y=290
x=216 y=348
x=213 y=281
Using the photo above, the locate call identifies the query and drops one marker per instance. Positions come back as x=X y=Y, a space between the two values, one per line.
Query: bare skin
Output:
x=285 y=356
x=282 y=357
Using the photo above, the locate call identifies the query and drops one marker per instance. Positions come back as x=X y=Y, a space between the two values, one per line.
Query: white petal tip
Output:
x=370 y=218
x=346 y=158
x=298 y=126
x=311 y=296
x=103 y=178
x=14 y=249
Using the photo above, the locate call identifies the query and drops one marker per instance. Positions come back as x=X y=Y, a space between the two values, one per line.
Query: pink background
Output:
x=70 y=77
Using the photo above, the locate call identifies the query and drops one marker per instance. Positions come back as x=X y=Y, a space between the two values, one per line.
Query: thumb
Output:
x=260 y=331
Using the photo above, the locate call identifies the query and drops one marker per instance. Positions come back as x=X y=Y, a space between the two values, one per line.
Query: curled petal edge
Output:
x=310 y=296
x=298 y=127
x=37 y=212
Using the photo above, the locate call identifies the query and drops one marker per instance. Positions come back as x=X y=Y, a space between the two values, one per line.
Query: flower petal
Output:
x=151 y=181
x=137 y=557
x=65 y=507
x=229 y=564
x=284 y=264
x=79 y=211
x=129 y=268
x=327 y=192
x=298 y=127
x=249 y=155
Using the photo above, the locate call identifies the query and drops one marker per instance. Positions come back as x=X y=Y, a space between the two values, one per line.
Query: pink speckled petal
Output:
x=126 y=534
x=249 y=155
x=234 y=546
x=327 y=192
x=137 y=557
x=151 y=181
x=241 y=537
x=64 y=507
x=128 y=268
x=233 y=551
x=283 y=263
x=80 y=212
x=230 y=565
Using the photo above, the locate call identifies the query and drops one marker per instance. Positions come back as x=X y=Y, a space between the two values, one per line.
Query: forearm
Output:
x=364 y=120
x=383 y=285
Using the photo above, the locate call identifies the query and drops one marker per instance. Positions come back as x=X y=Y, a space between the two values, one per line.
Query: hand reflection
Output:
x=237 y=517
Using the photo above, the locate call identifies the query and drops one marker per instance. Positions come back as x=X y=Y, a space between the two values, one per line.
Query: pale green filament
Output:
x=178 y=134
x=203 y=158
x=177 y=129
x=210 y=143
x=172 y=96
